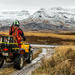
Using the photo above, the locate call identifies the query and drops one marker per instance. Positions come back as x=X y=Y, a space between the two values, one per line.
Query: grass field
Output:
x=61 y=63
x=60 y=36
x=48 y=38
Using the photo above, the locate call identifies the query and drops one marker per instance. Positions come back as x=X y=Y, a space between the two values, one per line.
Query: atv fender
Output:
x=21 y=51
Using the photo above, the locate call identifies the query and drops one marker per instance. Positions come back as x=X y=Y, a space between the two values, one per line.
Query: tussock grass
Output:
x=37 y=53
x=61 y=63
x=6 y=71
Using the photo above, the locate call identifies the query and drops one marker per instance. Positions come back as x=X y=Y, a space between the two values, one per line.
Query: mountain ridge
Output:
x=53 y=18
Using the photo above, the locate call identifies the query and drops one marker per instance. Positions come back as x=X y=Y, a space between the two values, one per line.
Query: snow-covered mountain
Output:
x=55 y=14
x=59 y=17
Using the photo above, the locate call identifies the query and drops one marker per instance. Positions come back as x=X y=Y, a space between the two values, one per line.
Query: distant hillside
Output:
x=42 y=26
x=4 y=28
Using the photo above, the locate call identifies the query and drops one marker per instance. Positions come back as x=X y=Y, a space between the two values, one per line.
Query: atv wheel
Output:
x=19 y=62
x=1 y=61
x=30 y=58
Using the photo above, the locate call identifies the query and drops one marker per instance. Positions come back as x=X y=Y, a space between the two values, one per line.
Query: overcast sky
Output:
x=33 y=5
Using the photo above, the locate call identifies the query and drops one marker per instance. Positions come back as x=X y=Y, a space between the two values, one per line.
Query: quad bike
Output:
x=10 y=52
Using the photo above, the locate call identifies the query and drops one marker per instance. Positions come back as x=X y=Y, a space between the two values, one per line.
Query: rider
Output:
x=17 y=32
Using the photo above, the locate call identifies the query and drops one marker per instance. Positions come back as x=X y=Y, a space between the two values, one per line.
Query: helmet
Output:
x=16 y=23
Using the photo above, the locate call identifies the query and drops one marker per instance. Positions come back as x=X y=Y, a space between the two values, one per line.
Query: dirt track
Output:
x=35 y=63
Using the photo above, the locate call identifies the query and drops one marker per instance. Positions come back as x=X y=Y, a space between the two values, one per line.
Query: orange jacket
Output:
x=17 y=33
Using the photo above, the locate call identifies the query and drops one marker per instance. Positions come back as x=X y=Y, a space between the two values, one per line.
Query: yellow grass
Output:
x=53 y=35
x=61 y=63
x=37 y=53
x=5 y=33
x=6 y=71
x=65 y=48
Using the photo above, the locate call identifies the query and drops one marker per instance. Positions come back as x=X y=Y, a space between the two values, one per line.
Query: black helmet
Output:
x=16 y=23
